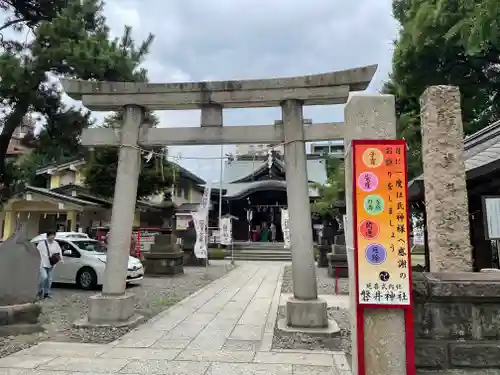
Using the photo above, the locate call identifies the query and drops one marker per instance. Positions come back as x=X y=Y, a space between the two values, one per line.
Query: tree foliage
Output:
x=100 y=172
x=29 y=12
x=75 y=43
x=333 y=192
x=443 y=42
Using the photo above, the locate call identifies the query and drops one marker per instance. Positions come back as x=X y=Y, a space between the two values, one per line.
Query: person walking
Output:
x=50 y=256
x=273 y=232
x=134 y=252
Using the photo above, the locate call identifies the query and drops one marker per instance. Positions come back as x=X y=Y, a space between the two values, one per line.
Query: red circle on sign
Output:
x=369 y=229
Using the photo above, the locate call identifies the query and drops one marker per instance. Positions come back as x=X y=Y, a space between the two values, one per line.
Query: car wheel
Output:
x=86 y=278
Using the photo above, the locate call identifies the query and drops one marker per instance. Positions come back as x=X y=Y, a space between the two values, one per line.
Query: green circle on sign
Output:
x=374 y=204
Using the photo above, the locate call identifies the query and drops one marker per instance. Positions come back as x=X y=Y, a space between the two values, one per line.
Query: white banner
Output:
x=249 y=215
x=205 y=199
x=200 y=225
x=285 y=227
x=226 y=231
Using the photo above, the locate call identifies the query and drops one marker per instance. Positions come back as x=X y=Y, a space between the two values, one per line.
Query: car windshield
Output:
x=91 y=245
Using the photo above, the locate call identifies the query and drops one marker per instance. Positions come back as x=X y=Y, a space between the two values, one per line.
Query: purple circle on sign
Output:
x=375 y=254
x=367 y=181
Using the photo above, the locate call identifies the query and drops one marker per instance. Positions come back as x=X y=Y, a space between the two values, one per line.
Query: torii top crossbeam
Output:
x=319 y=89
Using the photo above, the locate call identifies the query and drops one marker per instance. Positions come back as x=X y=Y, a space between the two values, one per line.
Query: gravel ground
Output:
x=70 y=304
x=326 y=284
x=302 y=341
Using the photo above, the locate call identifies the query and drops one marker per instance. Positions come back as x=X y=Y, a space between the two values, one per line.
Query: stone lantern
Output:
x=165 y=256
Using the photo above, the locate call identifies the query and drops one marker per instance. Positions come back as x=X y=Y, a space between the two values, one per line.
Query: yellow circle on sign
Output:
x=373 y=157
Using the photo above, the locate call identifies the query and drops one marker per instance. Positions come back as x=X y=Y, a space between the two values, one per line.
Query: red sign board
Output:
x=381 y=236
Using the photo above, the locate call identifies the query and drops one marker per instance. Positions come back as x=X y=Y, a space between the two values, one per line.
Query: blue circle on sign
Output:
x=375 y=254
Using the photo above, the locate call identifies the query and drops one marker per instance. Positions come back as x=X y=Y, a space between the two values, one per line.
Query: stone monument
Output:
x=19 y=275
x=337 y=259
x=304 y=309
x=444 y=180
x=371 y=117
x=164 y=257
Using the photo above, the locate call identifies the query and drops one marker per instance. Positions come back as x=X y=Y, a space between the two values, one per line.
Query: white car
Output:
x=85 y=261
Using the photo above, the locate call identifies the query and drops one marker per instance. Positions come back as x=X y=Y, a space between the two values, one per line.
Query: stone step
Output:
x=263 y=251
x=258 y=258
x=259 y=245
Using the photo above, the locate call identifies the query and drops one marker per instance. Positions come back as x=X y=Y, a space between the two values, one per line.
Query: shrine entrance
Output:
x=256 y=210
x=290 y=94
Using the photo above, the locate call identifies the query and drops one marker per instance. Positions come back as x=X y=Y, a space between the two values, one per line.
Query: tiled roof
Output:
x=239 y=169
x=242 y=189
x=481 y=149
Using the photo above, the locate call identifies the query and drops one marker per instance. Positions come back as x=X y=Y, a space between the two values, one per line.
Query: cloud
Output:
x=227 y=39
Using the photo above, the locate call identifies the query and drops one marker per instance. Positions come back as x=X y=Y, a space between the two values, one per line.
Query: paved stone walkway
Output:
x=224 y=329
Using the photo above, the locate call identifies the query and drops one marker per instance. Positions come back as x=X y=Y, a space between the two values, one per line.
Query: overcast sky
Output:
x=227 y=39
x=239 y=39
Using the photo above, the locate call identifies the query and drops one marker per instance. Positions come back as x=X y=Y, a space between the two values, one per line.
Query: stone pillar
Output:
x=71 y=219
x=444 y=180
x=9 y=224
x=372 y=117
x=304 y=309
x=114 y=305
x=211 y=115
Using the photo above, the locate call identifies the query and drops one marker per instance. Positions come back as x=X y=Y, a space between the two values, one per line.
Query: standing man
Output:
x=133 y=247
x=50 y=255
x=273 y=231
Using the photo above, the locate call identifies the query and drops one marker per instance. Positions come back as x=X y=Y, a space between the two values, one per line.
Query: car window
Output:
x=65 y=246
x=91 y=245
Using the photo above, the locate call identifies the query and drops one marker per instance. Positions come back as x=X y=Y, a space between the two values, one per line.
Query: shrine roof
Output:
x=243 y=189
x=240 y=169
x=482 y=156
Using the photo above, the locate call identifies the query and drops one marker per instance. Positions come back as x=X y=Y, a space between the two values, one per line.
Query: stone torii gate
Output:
x=366 y=117
x=304 y=309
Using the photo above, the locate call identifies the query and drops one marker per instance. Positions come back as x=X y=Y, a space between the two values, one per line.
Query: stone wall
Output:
x=457 y=320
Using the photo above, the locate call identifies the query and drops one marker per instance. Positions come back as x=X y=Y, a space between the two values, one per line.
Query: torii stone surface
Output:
x=372 y=117
x=445 y=181
x=304 y=310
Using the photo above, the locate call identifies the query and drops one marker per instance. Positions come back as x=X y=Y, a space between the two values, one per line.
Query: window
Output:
x=186 y=192
x=65 y=246
x=91 y=245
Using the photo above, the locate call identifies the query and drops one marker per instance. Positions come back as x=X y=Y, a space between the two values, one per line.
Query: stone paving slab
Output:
x=97 y=365
x=224 y=329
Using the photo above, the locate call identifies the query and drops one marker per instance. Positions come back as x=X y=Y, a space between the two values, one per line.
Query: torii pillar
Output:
x=304 y=310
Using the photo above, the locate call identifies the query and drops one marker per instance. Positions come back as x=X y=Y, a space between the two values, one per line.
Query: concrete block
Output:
x=66 y=349
x=312 y=359
x=249 y=368
x=211 y=115
x=108 y=310
x=312 y=370
x=141 y=353
x=431 y=354
x=24 y=361
x=20 y=319
x=475 y=354
x=216 y=356
x=306 y=313
x=166 y=367
x=89 y=365
x=247 y=332
x=331 y=330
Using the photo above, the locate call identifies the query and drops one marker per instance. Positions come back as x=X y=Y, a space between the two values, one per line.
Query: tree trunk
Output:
x=11 y=123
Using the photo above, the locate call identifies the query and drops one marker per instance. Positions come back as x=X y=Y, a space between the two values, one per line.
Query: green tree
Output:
x=29 y=13
x=333 y=192
x=444 y=42
x=76 y=44
x=102 y=164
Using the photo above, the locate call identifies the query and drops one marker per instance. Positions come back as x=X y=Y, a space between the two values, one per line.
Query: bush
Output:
x=216 y=254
